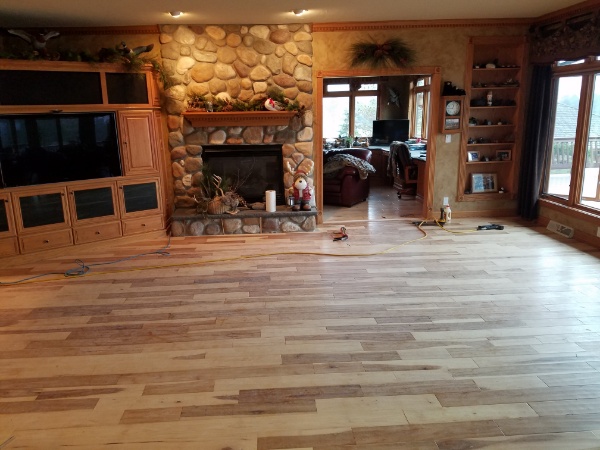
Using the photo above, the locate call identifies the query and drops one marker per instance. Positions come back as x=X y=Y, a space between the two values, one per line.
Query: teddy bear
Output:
x=301 y=192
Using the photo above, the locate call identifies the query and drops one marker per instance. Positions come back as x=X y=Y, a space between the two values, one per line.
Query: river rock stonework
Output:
x=242 y=62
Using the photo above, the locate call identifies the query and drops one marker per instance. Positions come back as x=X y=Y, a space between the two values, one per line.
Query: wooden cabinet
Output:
x=94 y=204
x=140 y=206
x=138 y=144
x=491 y=140
x=8 y=240
x=94 y=211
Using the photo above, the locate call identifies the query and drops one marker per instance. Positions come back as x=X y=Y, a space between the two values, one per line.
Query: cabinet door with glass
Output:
x=8 y=241
x=139 y=197
x=93 y=202
x=41 y=209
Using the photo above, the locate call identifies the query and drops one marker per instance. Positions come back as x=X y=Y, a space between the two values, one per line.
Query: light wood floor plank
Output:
x=485 y=340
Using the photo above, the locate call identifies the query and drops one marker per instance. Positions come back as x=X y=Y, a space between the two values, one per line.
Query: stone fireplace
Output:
x=241 y=63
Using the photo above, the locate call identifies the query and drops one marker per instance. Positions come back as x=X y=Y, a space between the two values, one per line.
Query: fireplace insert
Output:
x=252 y=169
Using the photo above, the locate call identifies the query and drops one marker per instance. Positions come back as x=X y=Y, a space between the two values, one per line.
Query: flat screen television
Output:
x=387 y=130
x=61 y=147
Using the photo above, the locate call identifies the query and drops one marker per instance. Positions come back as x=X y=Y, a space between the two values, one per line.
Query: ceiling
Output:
x=90 y=13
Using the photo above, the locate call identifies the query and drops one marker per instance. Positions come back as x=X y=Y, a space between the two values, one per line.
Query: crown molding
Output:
x=141 y=29
x=568 y=12
x=411 y=24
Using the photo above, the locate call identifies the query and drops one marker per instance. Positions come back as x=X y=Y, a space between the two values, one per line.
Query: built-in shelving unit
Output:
x=492 y=131
x=98 y=205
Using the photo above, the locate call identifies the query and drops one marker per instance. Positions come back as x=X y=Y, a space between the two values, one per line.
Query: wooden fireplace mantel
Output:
x=238 y=118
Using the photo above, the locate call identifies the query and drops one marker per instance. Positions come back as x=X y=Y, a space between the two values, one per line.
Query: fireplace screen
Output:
x=254 y=169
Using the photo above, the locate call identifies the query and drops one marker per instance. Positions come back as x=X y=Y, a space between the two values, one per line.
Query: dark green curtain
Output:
x=535 y=141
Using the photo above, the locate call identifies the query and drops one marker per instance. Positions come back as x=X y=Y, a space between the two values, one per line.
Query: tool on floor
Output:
x=341 y=236
x=492 y=226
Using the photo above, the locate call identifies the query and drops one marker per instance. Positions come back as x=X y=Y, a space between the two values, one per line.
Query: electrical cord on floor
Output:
x=84 y=269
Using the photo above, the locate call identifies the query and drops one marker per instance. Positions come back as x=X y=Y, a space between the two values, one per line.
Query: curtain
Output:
x=537 y=124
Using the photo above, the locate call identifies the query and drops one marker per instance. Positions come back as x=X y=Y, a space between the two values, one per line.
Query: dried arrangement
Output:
x=219 y=196
x=391 y=53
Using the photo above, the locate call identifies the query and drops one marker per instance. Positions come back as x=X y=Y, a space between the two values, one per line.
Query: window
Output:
x=572 y=175
x=349 y=107
x=419 y=100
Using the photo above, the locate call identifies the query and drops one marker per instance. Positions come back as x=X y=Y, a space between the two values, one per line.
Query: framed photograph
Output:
x=503 y=155
x=472 y=156
x=452 y=124
x=484 y=182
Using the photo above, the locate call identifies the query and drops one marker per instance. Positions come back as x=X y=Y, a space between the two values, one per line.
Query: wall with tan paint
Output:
x=445 y=47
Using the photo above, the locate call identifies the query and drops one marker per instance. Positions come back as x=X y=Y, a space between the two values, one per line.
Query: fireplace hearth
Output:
x=252 y=169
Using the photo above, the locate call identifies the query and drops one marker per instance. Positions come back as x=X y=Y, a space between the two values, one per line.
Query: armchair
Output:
x=345 y=187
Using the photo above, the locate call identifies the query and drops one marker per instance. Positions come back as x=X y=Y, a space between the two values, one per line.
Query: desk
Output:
x=379 y=160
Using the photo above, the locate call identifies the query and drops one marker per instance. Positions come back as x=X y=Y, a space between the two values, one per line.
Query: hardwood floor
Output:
x=485 y=340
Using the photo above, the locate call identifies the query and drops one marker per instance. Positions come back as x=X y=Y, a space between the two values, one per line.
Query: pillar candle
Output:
x=270 y=200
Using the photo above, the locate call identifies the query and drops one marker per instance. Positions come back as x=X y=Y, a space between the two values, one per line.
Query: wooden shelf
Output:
x=496 y=128
x=489 y=162
x=491 y=144
x=495 y=69
x=239 y=118
x=492 y=126
x=486 y=196
x=493 y=107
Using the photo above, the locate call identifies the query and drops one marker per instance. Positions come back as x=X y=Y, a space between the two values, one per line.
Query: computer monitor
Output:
x=387 y=130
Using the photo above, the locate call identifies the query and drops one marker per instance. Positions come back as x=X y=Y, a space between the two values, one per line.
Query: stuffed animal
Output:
x=301 y=191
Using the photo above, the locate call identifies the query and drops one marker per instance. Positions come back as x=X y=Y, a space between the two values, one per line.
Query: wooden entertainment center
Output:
x=59 y=214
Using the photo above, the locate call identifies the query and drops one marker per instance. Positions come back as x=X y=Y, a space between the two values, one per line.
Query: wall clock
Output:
x=452 y=113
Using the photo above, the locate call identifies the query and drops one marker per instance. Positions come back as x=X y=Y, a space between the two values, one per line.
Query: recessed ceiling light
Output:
x=176 y=13
x=298 y=12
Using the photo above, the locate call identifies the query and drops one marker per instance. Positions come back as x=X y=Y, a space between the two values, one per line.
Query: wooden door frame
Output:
x=436 y=81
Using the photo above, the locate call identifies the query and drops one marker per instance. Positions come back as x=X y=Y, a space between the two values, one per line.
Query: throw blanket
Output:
x=337 y=162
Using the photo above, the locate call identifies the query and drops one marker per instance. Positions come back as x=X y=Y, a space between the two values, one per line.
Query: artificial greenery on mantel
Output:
x=130 y=61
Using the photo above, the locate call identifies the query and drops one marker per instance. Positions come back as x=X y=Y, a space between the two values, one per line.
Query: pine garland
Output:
x=391 y=53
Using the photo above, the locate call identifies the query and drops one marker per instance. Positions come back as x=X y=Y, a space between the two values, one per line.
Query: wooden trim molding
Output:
x=571 y=211
x=408 y=24
x=242 y=118
x=568 y=12
x=134 y=29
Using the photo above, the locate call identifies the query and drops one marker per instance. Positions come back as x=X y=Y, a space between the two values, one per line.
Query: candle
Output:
x=270 y=200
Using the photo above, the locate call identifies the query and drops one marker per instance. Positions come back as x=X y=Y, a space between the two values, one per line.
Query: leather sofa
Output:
x=345 y=187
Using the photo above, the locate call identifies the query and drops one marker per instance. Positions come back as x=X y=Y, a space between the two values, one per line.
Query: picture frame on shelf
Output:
x=451 y=124
x=472 y=156
x=484 y=182
x=503 y=155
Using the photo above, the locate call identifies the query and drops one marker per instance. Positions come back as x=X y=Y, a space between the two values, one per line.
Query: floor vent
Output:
x=561 y=229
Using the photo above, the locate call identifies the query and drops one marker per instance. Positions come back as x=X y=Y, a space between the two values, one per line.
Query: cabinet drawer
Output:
x=51 y=239
x=142 y=224
x=9 y=246
x=97 y=232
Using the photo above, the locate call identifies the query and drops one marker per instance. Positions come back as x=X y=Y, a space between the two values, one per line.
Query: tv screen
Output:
x=389 y=130
x=52 y=148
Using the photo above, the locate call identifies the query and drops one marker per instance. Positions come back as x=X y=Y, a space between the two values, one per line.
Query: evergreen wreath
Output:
x=391 y=53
